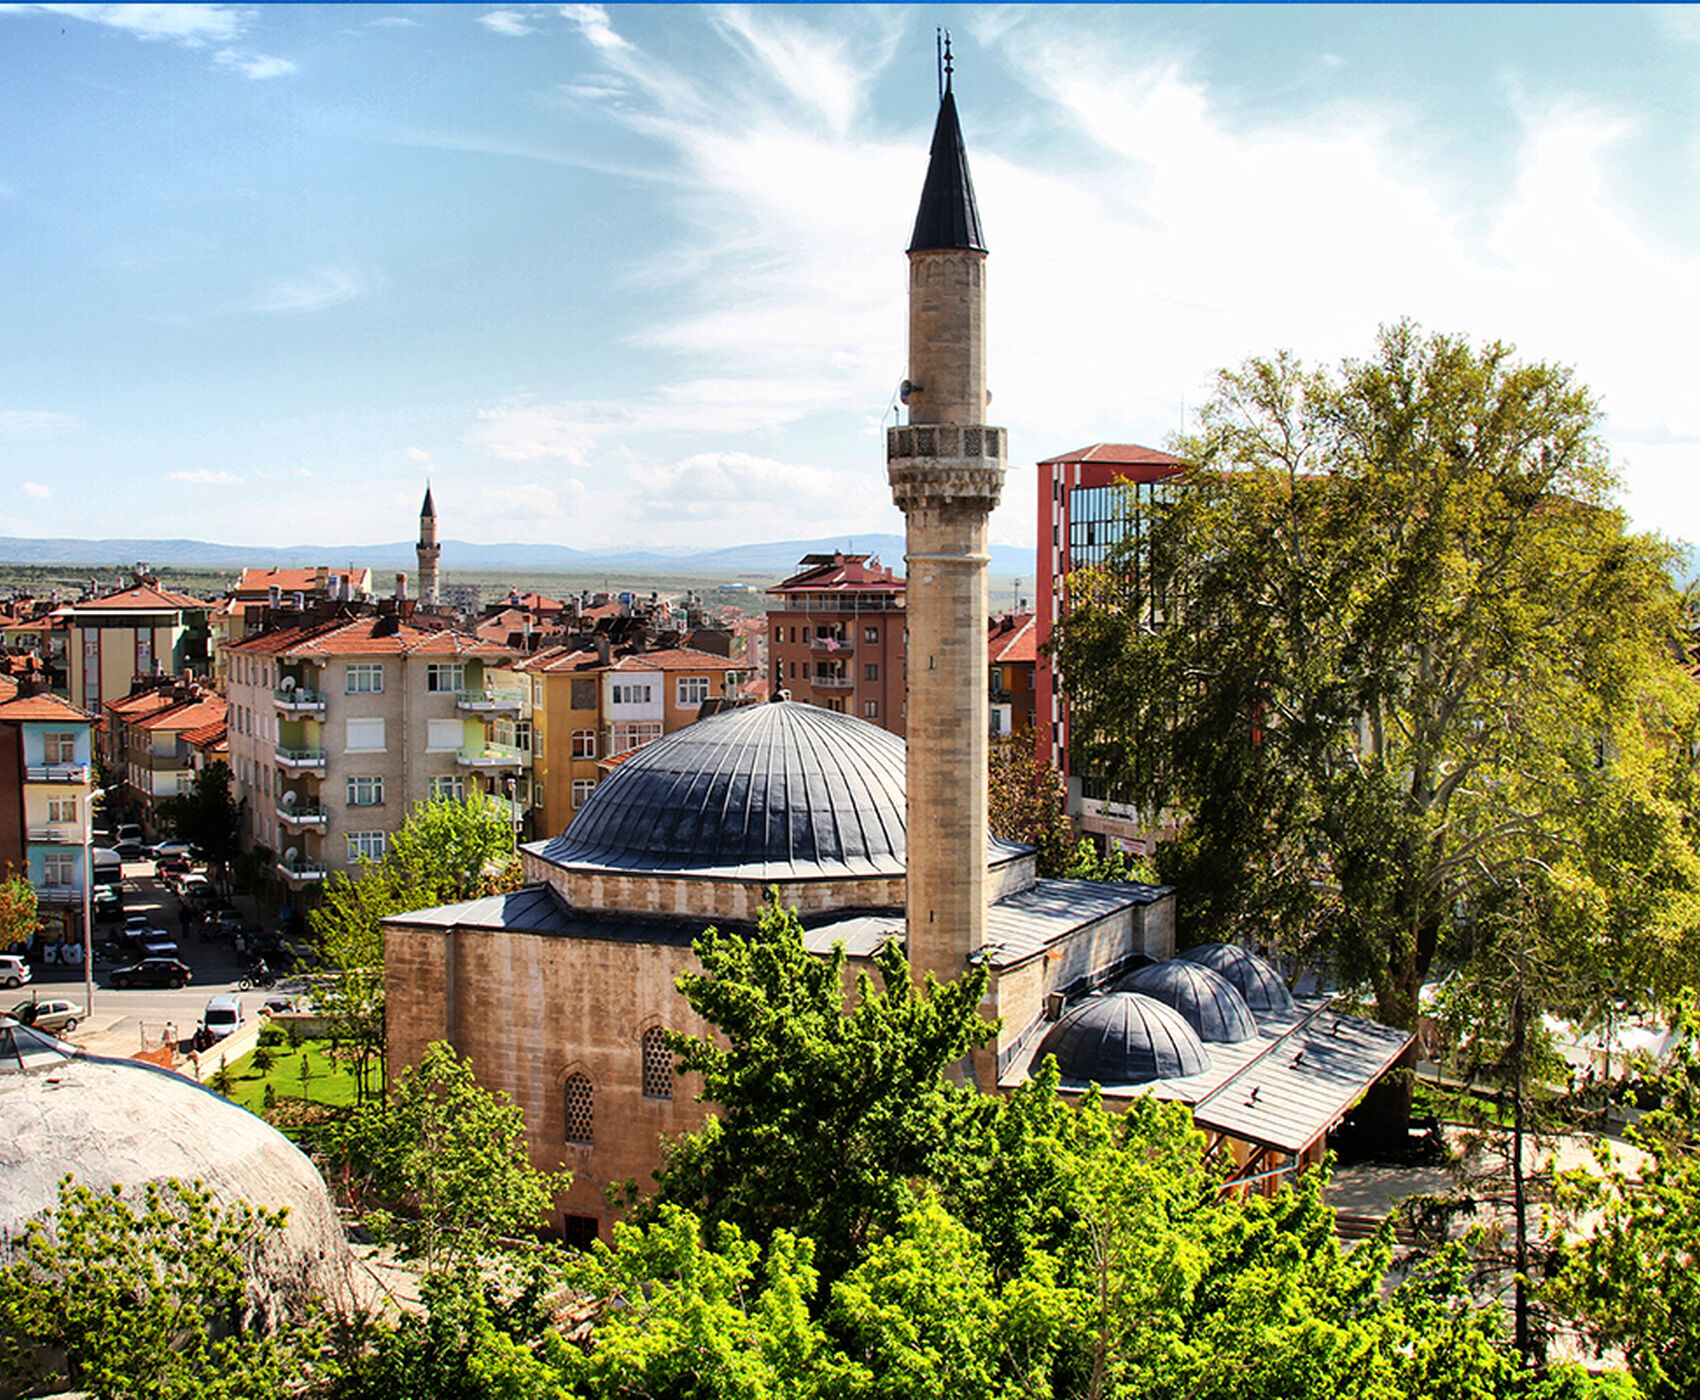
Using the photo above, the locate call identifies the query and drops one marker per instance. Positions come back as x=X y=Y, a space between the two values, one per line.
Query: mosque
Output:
x=560 y=993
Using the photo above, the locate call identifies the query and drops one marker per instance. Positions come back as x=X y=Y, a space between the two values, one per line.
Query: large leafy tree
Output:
x=20 y=916
x=209 y=818
x=1390 y=648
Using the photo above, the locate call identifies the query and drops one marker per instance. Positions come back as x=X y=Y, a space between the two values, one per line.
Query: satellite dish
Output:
x=289 y=799
x=288 y=684
x=290 y=855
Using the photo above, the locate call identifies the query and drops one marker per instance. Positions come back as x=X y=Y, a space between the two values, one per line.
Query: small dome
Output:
x=1254 y=979
x=1211 y=1004
x=1124 y=1038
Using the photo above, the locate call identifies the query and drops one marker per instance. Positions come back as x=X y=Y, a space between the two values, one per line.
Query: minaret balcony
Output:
x=950 y=465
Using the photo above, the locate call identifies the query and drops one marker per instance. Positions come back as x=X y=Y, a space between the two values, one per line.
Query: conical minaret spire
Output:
x=428 y=551
x=946 y=468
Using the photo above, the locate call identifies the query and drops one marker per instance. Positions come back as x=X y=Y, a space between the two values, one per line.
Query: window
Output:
x=693 y=690
x=778 y=635
x=185 y=784
x=870 y=635
x=657 y=1064
x=365 y=792
x=578 y=1099
x=870 y=709
x=871 y=671
x=634 y=734
x=59 y=748
x=365 y=677
x=584 y=743
x=805 y=634
x=631 y=694
x=582 y=788
x=793 y=634
x=59 y=868
x=61 y=809
x=365 y=735
x=454 y=788
x=445 y=676
x=365 y=845
x=443 y=735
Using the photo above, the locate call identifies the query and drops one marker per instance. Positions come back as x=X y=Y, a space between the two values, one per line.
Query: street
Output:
x=123 y=1021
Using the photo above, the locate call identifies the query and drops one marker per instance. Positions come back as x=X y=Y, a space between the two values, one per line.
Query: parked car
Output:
x=160 y=946
x=108 y=901
x=194 y=889
x=152 y=972
x=131 y=850
x=129 y=831
x=227 y=923
x=169 y=868
x=54 y=1017
x=138 y=929
x=173 y=847
x=223 y=1017
x=14 y=971
x=278 y=1005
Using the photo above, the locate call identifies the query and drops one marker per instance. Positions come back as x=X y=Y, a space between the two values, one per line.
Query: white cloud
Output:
x=204 y=478
x=192 y=25
x=507 y=22
x=315 y=290
x=730 y=486
x=419 y=454
x=592 y=21
x=34 y=423
x=253 y=65
x=35 y=489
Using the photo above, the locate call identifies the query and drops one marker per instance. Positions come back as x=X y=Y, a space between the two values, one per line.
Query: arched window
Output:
x=579 y=1100
x=657 y=1064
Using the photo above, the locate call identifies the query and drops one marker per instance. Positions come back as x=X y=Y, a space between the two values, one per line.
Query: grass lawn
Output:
x=328 y=1085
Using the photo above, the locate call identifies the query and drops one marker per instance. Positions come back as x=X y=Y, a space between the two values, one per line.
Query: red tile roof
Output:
x=363 y=636
x=141 y=597
x=1117 y=454
x=1016 y=643
x=187 y=714
x=22 y=708
x=676 y=659
x=839 y=573
x=207 y=736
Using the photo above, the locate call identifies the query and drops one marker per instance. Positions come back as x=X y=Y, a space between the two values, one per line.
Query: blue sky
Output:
x=634 y=275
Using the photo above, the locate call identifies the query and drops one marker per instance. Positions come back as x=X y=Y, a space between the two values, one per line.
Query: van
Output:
x=223 y=1017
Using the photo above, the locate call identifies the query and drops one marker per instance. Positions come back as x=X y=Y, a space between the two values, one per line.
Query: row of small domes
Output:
x=1156 y=1020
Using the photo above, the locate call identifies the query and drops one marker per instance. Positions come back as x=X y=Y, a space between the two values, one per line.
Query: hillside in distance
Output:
x=773 y=559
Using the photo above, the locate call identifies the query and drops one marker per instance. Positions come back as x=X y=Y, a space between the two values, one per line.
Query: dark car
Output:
x=151 y=972
x=131 y=850
x=171 y=865
x=108 y=902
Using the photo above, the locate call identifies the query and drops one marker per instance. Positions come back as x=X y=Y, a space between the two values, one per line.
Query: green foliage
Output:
x=148 y=1298
x=271 y=1037
x=440 y=1168
x=827 y=1106
x=19 y=919
x=264 y=1058
x=1387 y=648
x=209 y=818
x=457 y=846
x=1027 y=802
x=1633 y=1281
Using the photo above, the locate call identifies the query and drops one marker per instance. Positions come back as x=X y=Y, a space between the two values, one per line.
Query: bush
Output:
x=264 y=1059
x=273 y=1036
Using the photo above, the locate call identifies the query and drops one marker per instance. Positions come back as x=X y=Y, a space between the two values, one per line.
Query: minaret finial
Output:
x=948 y=70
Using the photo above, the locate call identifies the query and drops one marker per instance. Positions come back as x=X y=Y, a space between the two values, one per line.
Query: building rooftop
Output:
x=25 y=709
x=140 y=597
x=839 y=573
x=1014 y=639
x=377 y=634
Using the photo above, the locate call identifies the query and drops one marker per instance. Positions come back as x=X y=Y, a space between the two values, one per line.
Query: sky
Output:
x=634 y=275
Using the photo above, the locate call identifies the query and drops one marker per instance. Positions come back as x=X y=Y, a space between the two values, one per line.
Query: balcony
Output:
x=299 y=701
x=59 y=895
x=834 y=683
x=302 y=872
x=296 y=759
x=57 y=773
x=832 y=646
x=493 y=756
x=300 y=818
x=490 y=702
x=63 y=834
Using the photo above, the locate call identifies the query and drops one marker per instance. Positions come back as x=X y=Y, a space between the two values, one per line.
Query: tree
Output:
x=20 y=919
x=441 y=1167
x=459 y=846
x=209 y=818
x=1028 y=803
x=149 y=1298
x=827 y=1104
x=1389 y=646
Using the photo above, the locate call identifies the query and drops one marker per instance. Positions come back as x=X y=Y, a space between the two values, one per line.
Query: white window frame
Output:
x=58 y=869
x=452 y=787
x=438 y=728
x=62 y=743
x=61 y=809
x=367 y=845
x=584 y=743
x=364 y=678
x=699 y=689
x=437 y=672
x=582 y=789
x=366 y=790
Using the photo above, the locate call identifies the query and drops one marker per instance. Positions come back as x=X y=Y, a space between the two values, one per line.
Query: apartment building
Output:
x=1090 y=501
x=340 y=726
x=591 y=707
x=1013 y=654
x=140 y=631
x=242 y=612
x=836 y=637
x=144 y=744
x=46 y=787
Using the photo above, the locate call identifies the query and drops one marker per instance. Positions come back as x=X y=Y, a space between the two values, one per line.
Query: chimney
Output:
x=321 y=578
x=298 y=601
x=400 y=585
x=604 y=651
x=274 y=596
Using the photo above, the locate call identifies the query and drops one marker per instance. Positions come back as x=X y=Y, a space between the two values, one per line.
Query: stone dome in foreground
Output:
x=109 y=1122
x=1124 y=1038
x=774 y=791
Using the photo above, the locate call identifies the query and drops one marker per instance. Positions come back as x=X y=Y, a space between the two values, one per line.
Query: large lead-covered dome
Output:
x=1211 y=1004
x=1252 y=977
x=767 y=791
x=1124 y=1038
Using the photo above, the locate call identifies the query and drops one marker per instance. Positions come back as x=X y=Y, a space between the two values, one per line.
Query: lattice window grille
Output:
x=579 y=1100
x=657 y=1065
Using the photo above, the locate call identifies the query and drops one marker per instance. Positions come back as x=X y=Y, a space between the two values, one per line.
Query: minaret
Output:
x=946 y=469
x=428 y=550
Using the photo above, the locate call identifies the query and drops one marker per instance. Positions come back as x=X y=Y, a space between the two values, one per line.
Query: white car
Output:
x=172 y=847
x=14 y=971
x=223 y=1017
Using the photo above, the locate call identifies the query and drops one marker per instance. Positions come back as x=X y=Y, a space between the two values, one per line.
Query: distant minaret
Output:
x=428 y=551
x=946 y=469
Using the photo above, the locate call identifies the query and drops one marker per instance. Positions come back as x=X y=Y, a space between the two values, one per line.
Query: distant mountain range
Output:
x=774 y=559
